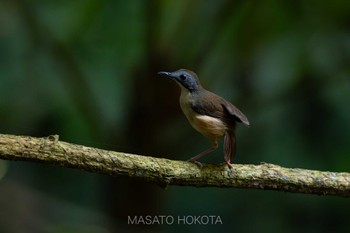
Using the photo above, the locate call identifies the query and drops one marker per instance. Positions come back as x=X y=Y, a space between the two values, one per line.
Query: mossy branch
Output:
x=168 y=172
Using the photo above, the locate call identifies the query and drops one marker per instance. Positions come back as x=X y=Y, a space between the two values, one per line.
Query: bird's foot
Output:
x=199 y=164
x=229 y=164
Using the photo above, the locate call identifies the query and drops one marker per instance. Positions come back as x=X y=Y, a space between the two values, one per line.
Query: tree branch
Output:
x=168 y=172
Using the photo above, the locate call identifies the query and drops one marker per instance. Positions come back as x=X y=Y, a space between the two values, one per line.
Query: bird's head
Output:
x=185 y=78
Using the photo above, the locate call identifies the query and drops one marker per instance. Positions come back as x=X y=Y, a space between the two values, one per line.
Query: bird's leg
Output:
x=214 y=146
x=229 y=147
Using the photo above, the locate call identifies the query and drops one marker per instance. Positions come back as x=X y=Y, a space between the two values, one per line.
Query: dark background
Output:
x=86 y=70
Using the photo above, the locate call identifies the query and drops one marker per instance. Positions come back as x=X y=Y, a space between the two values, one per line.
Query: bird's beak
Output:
x=166 y=74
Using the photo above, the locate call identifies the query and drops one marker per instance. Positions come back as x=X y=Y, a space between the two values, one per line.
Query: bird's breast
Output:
x=209 y=126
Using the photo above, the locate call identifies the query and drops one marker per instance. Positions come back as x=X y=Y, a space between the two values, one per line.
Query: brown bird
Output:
x=208 y=113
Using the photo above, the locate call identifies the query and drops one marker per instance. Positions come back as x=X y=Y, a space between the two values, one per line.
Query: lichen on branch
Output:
x=165 y=172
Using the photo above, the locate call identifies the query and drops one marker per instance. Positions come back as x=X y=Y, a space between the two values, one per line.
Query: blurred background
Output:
x=86 y=70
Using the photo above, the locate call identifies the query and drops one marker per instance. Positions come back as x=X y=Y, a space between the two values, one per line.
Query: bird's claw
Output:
x=199 y=164
x=229 y=165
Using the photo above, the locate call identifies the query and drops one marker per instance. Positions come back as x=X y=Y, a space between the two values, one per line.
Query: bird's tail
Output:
x=229 y=145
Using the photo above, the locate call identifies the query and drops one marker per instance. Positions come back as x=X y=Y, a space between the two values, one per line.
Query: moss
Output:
x=168 y=172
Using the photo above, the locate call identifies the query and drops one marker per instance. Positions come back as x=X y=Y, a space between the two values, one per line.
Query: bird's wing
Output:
x=235 y=112
x=215 y=106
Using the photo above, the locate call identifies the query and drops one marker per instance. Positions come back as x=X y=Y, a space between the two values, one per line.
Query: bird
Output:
x=211 y=115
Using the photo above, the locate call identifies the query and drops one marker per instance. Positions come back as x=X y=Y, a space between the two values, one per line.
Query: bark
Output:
x=169 y=172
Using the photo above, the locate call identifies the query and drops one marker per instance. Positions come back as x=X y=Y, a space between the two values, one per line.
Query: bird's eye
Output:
x=182 y=77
